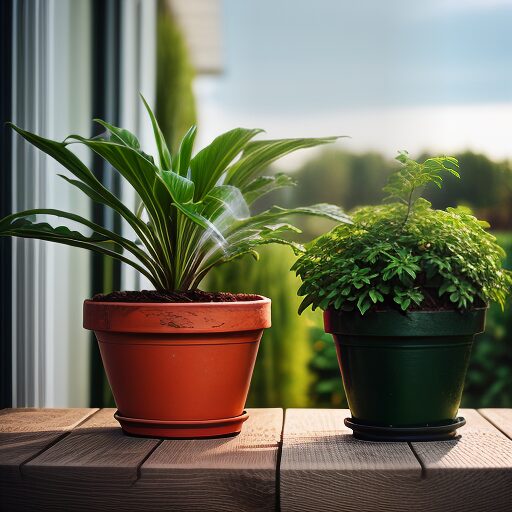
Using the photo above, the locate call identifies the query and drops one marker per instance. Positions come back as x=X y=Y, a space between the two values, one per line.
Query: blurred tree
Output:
x=485 y=185
x=334 y=177
x=352 y=180
x=281 y=376
x=175 y=104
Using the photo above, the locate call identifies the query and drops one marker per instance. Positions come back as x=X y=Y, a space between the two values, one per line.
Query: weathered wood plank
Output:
x=26 y=432
x=93 y=468
x=98 y=468
x=500 y=418
x=226 y=474
x=473 y=472
x=324 y=468
x=97 y=453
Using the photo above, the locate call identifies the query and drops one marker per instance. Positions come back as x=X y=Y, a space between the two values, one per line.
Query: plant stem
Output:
x=409 y=209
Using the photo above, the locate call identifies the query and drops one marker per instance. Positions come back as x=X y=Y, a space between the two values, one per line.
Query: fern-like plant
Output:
x=405 y=254
x=194 y=211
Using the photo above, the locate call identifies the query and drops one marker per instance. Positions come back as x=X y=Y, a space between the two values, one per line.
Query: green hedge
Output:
x=489 y=380
x=281 y=377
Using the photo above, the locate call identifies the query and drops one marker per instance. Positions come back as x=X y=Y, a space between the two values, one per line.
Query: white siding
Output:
x=52 y=87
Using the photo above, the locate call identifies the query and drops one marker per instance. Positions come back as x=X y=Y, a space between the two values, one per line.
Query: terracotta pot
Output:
x=179 y=370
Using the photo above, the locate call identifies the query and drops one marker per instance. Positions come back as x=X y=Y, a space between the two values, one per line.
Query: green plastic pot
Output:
x=404 y=369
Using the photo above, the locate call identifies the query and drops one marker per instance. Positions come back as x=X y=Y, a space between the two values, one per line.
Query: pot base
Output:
x=439 y=432
x=182 y=429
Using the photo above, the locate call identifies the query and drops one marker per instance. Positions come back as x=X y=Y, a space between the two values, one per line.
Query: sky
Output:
x=431 y=75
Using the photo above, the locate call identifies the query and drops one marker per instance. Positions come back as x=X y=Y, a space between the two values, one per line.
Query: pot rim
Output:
x=406 y=324
x=179 y=317
x=405 y=313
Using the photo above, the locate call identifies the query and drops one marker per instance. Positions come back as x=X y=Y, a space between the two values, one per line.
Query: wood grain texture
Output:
x=473 y=472
x=26 y=432
x=97 y=452
x=92 y=468
x=97 y=467
x=324 y=468
x=500 y=418
x=226 y=474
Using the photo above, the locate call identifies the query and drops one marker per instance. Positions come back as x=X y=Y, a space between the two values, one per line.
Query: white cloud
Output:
x=445 y=129
x=468 y=4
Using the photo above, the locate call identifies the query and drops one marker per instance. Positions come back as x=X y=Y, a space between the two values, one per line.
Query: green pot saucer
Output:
x=438 y=432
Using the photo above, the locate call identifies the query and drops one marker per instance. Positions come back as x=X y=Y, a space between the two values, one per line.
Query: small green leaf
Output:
x=208 y=166
x=120 y=135
x=180 y=188
x=163 y=150
x=181 y=161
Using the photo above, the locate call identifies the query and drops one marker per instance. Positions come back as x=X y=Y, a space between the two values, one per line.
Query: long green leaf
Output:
x=21 y=225
x=120 y=135
x=163 y=150
x=224 y=205
x=100 y=232
x=208 y=166
x=141 y=173
x=91 y=186
x=325 y=210
x=191 y=211
x=180 y=188
x=264 y=184
x=145 y=178
x=259 y=154
x=181 y=161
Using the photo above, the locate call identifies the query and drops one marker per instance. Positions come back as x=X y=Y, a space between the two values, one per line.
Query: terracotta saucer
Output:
x=182 y=429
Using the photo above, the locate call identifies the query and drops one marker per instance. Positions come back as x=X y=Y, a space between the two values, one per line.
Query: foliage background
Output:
x=352 y=180
x=282 y=377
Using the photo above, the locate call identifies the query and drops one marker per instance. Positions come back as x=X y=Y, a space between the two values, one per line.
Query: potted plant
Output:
x=404 y=291
x=179 y=360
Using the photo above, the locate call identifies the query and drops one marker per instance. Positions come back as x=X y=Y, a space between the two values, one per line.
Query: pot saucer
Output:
x=438 y=432
x=182 y=429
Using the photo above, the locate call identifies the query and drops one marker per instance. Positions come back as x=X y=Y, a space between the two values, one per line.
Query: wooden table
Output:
x=78 y=459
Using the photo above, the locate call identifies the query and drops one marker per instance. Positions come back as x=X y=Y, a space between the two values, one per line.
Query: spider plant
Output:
x=193 y=212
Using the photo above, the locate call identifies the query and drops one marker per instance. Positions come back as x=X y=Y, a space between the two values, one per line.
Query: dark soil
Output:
x=165 y=296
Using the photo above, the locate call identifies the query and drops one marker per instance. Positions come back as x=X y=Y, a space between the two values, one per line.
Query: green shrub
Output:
x=405 y=254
